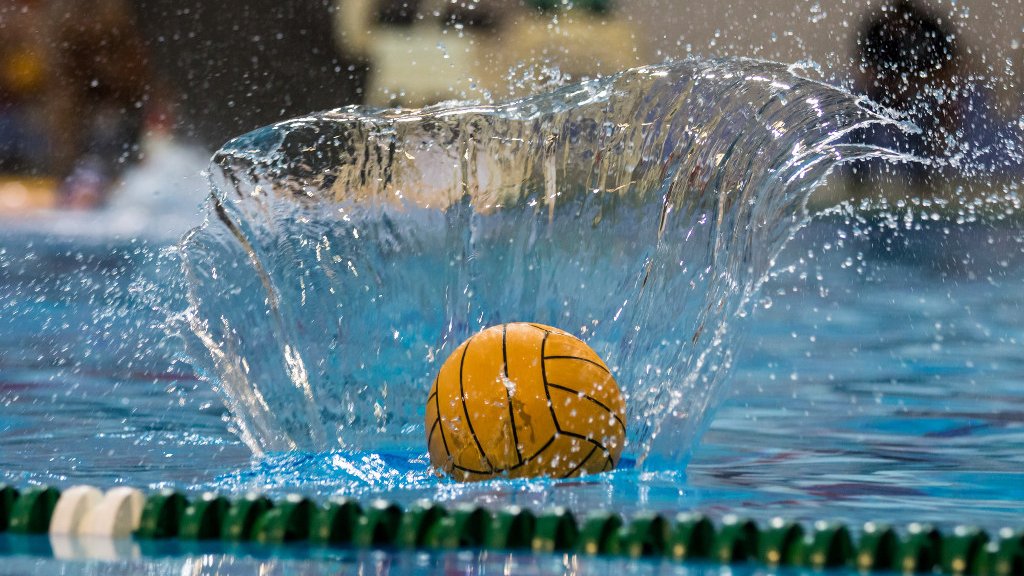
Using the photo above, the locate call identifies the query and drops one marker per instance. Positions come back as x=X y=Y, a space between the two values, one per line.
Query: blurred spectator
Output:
x=235 y=65
x=911 y=61
x=23 y=80
x=103 y=88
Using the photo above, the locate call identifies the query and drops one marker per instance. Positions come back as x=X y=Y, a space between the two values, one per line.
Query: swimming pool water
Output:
x=880 y=379
x=363 y=563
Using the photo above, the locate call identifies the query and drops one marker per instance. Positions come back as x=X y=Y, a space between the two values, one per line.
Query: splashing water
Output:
x=347 y=253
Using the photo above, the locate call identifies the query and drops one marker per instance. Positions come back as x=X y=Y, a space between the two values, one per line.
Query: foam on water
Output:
x=347 y=253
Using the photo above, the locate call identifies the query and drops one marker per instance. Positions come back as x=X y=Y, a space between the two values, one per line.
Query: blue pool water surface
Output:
x=880 y=379
x=281 y=347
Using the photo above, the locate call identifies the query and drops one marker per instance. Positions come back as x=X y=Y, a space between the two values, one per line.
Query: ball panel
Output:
x=462 y=445
x=563 y=456
x=535 y=424
x=463 y=475
x=488 y=398
x=563 y=344
x=590 y=379
x=586 y=465
x=584 y=417
x=520 y=400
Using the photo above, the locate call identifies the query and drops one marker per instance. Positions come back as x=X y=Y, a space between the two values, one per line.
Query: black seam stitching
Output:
x=535 y=454
x=594 y=400
x=587 y=360
x=465 y=408
x=430 y=435
x=544 y=377
x=587 y=439
x=437 y=404
x=541 y=328
x=470 y=470
x=582 y=462
x=508 y=393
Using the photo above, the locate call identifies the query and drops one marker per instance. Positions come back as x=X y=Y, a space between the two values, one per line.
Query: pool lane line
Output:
x=85 y=522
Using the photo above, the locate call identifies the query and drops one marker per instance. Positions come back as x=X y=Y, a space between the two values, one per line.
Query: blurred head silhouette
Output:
x=903 y=50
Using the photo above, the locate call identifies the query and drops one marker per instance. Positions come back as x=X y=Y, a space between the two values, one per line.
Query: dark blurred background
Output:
x=233 y=65
x=92 y=88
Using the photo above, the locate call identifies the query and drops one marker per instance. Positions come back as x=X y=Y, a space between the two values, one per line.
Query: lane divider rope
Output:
x=127 y=515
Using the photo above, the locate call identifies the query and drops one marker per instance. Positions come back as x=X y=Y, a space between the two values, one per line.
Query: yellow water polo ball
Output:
x=521 y=400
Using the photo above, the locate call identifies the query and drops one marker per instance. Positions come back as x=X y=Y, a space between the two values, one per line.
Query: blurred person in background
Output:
x=23 y=83
x=908 y=62
x=236 y=65
x=103 y=86
x=912 y=61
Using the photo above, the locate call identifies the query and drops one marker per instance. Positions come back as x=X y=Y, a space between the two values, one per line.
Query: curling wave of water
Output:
x=347 y=253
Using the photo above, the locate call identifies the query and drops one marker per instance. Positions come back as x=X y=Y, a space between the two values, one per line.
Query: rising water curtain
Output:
x=348 y=252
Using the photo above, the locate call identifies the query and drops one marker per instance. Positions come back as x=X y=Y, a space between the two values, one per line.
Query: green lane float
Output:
x=599 y=534
x=204 y=519
x=7 y=497
x=293 y=520
x=335 y=524
x=782 y=544
x=693 y=537
x=161 y=516
x=877 y=549
x=417 y=522
x=32 y=511
x=119 y=513
x=240 y=516
x=511 y=529
x=555 y=531
x=646 y=536
x=378 y=527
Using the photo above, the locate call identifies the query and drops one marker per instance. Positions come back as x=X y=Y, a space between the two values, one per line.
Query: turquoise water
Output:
x=361 y=563
x=888 y=390
x=868 y=369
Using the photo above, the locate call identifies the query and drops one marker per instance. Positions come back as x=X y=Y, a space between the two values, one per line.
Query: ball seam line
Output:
x=551 y=405
x=544 y=378
x=608 y=464
x=465 y=407
x=588 y=360
x=541 y=328
x=471 y=470
x=586 y=439
x=592 y=399
x=437 y=404
x=430 y=436
x=535 y=454
x=508 y=393
x=582 y=462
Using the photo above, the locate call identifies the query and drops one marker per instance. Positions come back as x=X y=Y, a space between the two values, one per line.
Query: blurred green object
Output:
x=202 y=519
x=544 y=5
x=32 y=510
x=595 y=6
